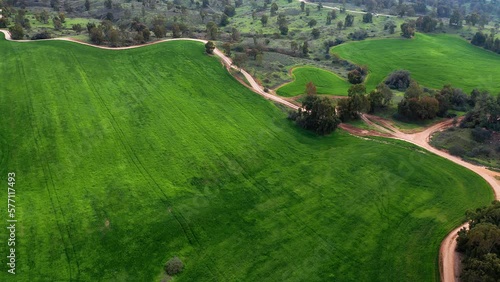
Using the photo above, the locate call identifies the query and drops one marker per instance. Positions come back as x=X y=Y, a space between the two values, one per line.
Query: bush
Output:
x=480 y=134
x=41 y=35
x=399 y=79
x=457 y=150
x=479 y=151
x=174 y=266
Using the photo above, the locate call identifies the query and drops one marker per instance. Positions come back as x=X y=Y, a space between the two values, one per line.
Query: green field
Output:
x=124 y=159
x=433 y=60
x=326 y=82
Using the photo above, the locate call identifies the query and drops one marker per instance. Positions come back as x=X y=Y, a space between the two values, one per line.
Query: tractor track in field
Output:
x=448 y=257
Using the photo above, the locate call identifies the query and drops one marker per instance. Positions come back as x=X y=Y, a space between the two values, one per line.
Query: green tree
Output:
x=227 y=48
x=274 y=9
x=209 y=47
x=264 y=20
x=408 y=29
x=212 y=31
x=302 y=5
x=315 y=33
x=312 y=22
x=349 y=20
x=174 y=266
x=305 y=48
x=340 y=25
x=317 y=114
x=456 y=19
x=16 y=31
x=368 y=18
x=87 y=5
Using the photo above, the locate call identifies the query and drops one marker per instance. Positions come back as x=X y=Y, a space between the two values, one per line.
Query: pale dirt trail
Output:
x=338 y=9
x=448 y=256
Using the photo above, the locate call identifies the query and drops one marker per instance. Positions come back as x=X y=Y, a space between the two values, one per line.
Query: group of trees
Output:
x=480 y=245
x=358 y=102
x=485 y=112
x=357 y=75
x=486 y=41
x=317 y=113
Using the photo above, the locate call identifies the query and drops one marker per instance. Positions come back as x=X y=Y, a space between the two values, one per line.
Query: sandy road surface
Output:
x=448 y=256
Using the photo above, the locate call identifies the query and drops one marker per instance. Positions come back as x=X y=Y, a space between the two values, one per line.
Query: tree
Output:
x=479 y=39
x=368 y=18
x=229 y=10
x=426 y=24
x=159 y=31
x=274 y=9
x=349 y=20
x=176 y=31
x=312 y=22
x=77 y=28
x=224 y=20
x=283 y=30
x=96 y=35
x=456 y=19
x=356 y=102
x=240 y=60
x=399 y=79
x=209 y=47
x=302 y=5
x=408 y=29
x=305 y=48
x=87 y=5
x=317 y=114
x=57 y=23
x=315 y=33
x=174 y=266
x=235 y=35
x=380 y=97
x=264 y=20
x=308 y=11
x=16 y=31
x=212 y=31
x=227 y=48
x=354 y=77
x=310 y=88
x=340 y=25
x=320 y=6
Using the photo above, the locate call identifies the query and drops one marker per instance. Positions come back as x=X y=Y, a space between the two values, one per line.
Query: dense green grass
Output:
x=326 y=82
x=433 y=60
x=127 y=158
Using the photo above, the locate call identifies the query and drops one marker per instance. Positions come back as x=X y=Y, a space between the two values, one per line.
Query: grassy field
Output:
x=123 y=161
x=326 y=82
x=433 y=60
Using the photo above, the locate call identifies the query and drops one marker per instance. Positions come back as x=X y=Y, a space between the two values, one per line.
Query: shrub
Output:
x=479 y=151
x=457 y=150
x=399 y=79
x=480 y=134
x=41 y=35
x=174 y=266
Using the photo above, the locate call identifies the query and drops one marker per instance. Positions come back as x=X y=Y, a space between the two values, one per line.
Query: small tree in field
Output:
x=174 y=266
x=310 y=88
x=209 y=47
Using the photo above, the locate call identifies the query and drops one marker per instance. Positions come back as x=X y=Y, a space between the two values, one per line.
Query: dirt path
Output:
x=448 y=256
x=349 y=11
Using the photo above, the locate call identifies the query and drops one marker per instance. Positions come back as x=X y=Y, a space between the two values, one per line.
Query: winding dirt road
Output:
x=448 y=256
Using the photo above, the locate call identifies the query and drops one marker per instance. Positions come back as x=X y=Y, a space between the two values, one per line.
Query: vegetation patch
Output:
x=433 y=60
x=326 y=82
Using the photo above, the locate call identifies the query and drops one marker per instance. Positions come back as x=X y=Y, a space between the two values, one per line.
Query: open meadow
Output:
x=124 y=159
x=433 y=60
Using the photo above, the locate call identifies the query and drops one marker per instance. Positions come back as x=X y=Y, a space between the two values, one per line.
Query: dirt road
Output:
x=448 y=256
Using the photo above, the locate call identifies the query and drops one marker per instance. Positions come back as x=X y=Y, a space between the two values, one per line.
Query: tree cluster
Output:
x=317 y=113
x=485 y=112
x=480 y=245
x=486 y=41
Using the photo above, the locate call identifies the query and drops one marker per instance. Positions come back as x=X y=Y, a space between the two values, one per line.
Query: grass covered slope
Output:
x=125 y=159
x=326 y=82
x=433 y=60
